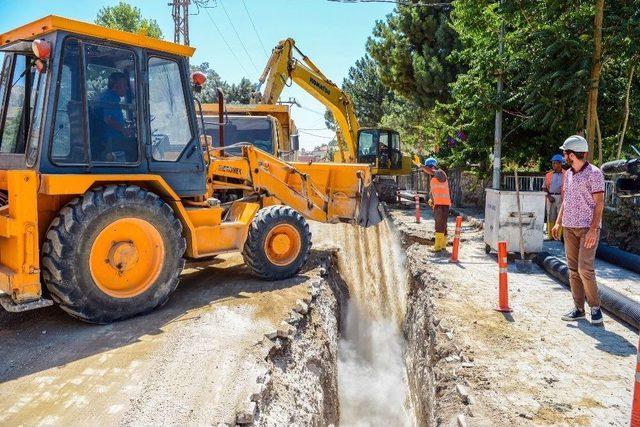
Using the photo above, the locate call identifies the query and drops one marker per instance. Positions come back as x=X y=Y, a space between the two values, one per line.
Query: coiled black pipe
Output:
x=619 y=257
x=611 y=300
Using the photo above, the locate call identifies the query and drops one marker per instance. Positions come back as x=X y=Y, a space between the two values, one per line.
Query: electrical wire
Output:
x=398 y=2
x=237 y=35
x=226 y=42
x=254 y=29
x=317 y=136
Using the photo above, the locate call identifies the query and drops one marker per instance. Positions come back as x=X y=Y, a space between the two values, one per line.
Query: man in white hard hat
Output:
x=580 y=217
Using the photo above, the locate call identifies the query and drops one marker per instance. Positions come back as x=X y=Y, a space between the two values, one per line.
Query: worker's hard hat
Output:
x=557 y=158
x=575 y=143
x=431 y=162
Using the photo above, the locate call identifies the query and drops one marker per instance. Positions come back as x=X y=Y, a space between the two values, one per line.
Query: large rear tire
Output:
x=278 y=243
x=113 y=253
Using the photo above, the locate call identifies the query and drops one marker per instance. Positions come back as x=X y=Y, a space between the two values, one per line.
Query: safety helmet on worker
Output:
x=575 y=143
x=558 y=158
x=431 y=162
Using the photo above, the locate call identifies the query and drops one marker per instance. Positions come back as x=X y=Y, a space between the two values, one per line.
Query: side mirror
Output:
x=295 y=142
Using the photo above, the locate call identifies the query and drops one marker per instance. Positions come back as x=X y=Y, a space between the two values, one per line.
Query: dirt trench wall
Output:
x=301 y=386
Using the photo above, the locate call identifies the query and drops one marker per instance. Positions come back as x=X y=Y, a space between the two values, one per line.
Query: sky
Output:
x=332 y=34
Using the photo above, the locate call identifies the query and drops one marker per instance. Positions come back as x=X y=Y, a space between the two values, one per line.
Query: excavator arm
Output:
x=282 y=68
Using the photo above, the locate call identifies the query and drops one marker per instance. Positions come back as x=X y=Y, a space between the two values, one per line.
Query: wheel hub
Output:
x=123 y=256
x=127 y=257
x=282 y=244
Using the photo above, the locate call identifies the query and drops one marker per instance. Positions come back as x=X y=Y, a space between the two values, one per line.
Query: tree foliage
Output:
x=239 y=93
x=441 y=65
x=125 y=17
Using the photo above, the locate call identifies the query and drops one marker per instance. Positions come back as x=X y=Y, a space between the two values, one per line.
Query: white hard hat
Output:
x=575 y=143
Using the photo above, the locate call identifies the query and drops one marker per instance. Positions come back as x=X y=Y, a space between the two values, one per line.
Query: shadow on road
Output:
x=39 y=340
x=608 y=341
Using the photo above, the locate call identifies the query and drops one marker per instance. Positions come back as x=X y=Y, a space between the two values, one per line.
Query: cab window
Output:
x=169 y=121
x=367 y=143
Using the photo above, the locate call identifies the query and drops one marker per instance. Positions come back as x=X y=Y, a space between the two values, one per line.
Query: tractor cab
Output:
x=381 y=148
x=76 y=98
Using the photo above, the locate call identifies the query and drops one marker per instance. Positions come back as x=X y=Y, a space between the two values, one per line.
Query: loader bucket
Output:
x=370 y=211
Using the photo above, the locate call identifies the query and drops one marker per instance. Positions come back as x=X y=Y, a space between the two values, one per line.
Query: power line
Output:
x=254 y=29
x=237 y=35
x=317 y=136
x=227 y=43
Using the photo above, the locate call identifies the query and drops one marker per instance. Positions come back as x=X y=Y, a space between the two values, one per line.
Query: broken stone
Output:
x=527 y=415
x=294 y=318
x=463 y=393
x=462 y=422
x=285 y=330
x=454 y=358
x=449 y=335
x=301 y=307
x=323 y=272
x=245 y=416
x=257 y=393
x=307 y=299
x=272 y=335
x=467 y=365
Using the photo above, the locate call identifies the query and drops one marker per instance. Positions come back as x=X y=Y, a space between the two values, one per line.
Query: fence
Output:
x=535 y=183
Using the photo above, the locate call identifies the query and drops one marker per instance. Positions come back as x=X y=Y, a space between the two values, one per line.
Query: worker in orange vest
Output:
x=440 y=201
x=553 y=184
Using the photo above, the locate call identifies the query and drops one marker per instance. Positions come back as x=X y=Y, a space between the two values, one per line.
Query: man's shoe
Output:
x=596 y=316
x=573 y=315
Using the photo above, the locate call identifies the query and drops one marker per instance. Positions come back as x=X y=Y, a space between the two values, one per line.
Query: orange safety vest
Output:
x=547 y=180
x=440 y=192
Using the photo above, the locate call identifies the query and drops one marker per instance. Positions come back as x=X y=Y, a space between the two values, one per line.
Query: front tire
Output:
x=113 y=253
x=278 y=243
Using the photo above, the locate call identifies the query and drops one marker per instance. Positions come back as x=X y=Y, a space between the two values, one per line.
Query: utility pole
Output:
x=497 y=141
x=180 y=14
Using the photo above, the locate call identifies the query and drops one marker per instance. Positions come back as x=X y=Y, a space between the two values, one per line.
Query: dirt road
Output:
x=193 y=361
x=529 y=367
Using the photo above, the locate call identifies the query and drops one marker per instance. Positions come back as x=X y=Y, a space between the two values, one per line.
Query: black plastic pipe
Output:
x=617 y=304
x=619 y=257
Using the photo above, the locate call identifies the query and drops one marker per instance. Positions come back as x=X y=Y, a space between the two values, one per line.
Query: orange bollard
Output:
x=456 y=240
x=635 y=408
x=417 y=209
x=503 y=287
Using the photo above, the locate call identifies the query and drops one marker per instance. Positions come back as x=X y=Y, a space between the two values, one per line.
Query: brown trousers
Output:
x=440 y=215
x=582 y=275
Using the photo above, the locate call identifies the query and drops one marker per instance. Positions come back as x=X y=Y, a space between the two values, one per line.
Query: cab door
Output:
x=173 y=149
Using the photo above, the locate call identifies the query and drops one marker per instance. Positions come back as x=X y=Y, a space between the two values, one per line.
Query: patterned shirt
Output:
x=579 y=188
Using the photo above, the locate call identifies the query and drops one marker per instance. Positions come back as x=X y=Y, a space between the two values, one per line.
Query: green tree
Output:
x=412 y=48
x=366 y=92
x=239 y=93
x=125 y=17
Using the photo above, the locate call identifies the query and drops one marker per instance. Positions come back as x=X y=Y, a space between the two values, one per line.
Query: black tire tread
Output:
x=253 y=251
x=57 y=264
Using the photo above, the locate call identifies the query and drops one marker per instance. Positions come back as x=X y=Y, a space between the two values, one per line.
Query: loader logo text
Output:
x=230 y=169
x=319 y=85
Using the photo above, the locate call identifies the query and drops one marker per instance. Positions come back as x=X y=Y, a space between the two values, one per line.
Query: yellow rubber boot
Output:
x=440 y=242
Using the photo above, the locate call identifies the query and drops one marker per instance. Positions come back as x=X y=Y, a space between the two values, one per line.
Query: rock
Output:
x=449 y=335
x=245 y=416
x=462 y=422
x=294 y=318
x=257 y=392
x=463 y=393
x=285 y=330
x=323 y=272
x=307 y=299
x=301 y=307
x=272 y=335
x=527 y=415
x=467 y=365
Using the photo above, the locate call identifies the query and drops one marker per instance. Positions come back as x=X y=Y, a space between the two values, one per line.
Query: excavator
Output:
x=379 y=147
x=108 y=184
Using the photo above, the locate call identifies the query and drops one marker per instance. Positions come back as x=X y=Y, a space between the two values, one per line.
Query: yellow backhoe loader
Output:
x=107 y=185
x=379 y=147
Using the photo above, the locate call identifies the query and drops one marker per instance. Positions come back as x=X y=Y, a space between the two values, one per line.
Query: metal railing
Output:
x=527 y=183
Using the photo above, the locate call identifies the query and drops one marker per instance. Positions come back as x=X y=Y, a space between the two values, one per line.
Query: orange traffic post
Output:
x=635 y=408
x=417 y=209
x=456 y=240
x=503 y=286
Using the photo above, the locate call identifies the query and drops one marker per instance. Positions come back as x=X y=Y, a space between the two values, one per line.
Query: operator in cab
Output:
x=117 y=136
